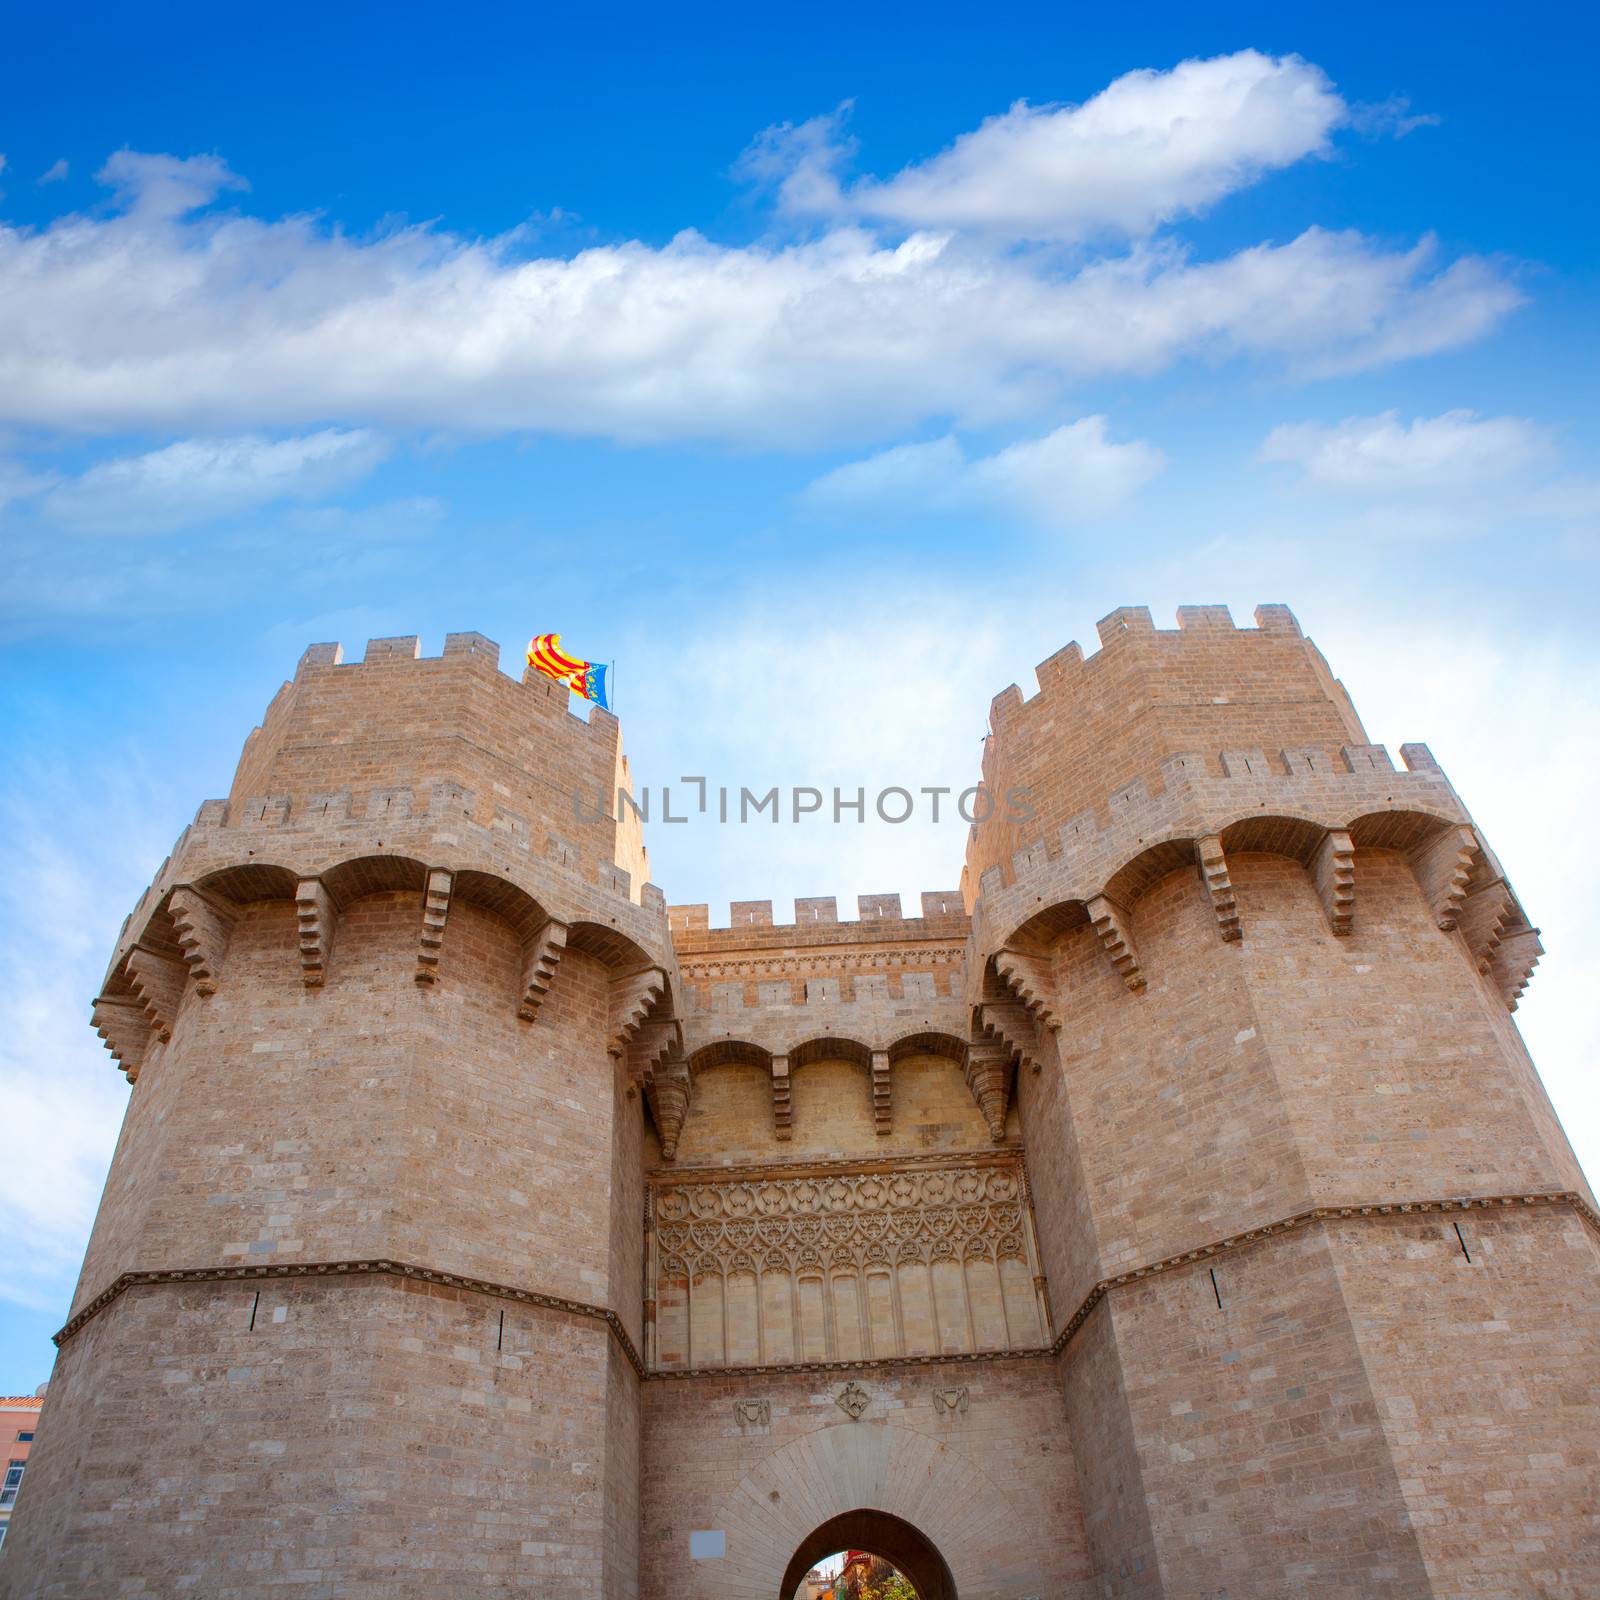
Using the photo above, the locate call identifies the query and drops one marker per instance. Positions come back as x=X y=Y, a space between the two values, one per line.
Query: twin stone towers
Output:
x=1171 y=1210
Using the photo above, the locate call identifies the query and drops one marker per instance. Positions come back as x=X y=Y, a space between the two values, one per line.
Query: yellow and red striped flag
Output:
x=587 y=678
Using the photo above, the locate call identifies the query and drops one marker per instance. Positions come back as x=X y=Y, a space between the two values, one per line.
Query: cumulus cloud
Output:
x=1149 y=148
x=199 y=480
x=56 y=172
x=168 y=316
x=156 y=186
x=1069 y=476
x=1382 y=455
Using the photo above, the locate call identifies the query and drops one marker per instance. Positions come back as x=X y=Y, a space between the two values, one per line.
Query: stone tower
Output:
x=1172 y=1210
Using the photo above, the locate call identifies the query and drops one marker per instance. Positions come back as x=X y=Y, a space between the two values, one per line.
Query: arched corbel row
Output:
x=1333 y=872
x=435 y=913
x=204 y=924
x=157 y=981
x=1214 y=874
x=1110 y=923
x=318 y=918
x=541 y=955
x=988 y=1073
x=1031 y=979
x=782 y=1100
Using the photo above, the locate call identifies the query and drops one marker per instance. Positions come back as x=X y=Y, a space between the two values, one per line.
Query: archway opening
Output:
x=882 y=1534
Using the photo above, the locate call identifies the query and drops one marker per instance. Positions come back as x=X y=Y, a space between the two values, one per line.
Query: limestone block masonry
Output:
x=1170 y=1210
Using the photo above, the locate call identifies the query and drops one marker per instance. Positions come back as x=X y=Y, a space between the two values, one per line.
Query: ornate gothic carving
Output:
x=669 y=1091
x=805 y=1265
x=853 y=1400
x=950 y=1402
x=989 y=1078
x=752 y=1413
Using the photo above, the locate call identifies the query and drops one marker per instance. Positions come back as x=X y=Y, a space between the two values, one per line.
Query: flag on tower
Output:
x=587 y=678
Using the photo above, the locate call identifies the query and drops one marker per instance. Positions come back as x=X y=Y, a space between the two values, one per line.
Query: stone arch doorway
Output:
x=882 y=1534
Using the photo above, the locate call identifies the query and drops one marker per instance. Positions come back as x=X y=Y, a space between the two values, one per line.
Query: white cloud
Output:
x=157 y=186
x=56 y=172
x=1149 y=148
x=170 y=317
x=1444 y=455
x=1069 y=476
x=200 y=480
x=82 y=840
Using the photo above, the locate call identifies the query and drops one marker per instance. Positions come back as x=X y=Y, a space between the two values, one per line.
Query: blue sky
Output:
x=824 y=370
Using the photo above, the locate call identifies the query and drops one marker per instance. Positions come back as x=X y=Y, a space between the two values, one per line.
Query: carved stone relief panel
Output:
x=785 y=1266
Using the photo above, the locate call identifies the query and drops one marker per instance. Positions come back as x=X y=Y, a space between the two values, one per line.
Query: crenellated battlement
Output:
x=819 y=915
x=1131 y=624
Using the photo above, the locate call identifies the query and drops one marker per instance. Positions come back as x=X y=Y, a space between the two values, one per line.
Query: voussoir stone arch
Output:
x=1397 y=830
x=351 y=880
x=929 y=1043
x=1141 y=873
x=248 y=881
x=881 y=1466
x=730 y=1053
x=830 y=1048
x=1273 y=835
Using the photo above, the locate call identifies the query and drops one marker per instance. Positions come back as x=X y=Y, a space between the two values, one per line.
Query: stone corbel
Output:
x=540 y=958
x=1110 y=922
x=1485 y=916
x=654 y=1044
x=319 y=921
x=631 y=998
x=989 y=1077
x=1514 y=960
x=782 y=1107
x=435 y=912
x=122 y=1022
x=1333 y=873
x=1031 y=979
x=1444 y=867
x=882 y=1105
x=204 y=924
x=669 y=1093
x=1011 y=1023
x=1219 y=885
x=157 y=982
